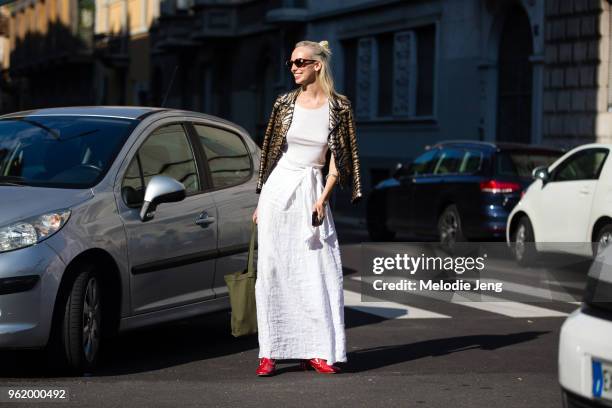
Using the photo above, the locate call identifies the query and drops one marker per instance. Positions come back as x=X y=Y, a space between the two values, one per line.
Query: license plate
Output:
x=602 y=380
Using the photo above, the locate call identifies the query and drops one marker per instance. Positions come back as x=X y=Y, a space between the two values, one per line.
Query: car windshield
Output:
x=59 y=151
x=522 y=163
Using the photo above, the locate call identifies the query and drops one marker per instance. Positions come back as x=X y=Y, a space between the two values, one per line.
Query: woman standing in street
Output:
x=299 y=287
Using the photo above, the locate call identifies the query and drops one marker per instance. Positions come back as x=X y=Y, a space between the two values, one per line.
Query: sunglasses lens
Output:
x=300 y=62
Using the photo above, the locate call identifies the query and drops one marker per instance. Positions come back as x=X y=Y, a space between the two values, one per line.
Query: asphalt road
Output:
x=460 y=356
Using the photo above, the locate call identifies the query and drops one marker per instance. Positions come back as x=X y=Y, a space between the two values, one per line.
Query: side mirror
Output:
x=161 y=189
x=541 y=173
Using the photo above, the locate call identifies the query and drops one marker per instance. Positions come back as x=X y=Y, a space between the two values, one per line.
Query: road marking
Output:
x=485 y=302
x=533 y=291
x=506 y=307
x=388 y=309
x=569 y=284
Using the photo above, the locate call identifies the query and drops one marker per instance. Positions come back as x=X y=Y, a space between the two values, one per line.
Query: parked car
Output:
x=113 y=218
x=585 y=351
x=566 y=208
x=455 y=191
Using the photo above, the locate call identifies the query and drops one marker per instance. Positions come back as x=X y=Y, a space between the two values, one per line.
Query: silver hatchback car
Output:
x=113 y=218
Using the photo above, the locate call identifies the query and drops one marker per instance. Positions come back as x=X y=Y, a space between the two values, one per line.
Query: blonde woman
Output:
x=299 y=294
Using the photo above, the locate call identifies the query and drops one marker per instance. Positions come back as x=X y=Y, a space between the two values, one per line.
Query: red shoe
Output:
x=320 y=366
x=266 y=367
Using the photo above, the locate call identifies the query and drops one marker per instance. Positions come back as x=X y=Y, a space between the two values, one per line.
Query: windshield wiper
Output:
x=87 y=132
x=40 y=125
x=54 y=132
x=12 y=181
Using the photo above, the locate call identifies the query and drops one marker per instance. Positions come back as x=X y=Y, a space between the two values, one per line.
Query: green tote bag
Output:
x=241 y=286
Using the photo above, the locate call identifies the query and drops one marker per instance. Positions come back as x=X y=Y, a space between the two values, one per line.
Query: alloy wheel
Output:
x=91 y=320
x=448 y=229
x=519 y=242
x=604 y=241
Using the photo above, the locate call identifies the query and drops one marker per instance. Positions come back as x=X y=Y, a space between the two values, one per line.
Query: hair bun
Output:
x=324 y=44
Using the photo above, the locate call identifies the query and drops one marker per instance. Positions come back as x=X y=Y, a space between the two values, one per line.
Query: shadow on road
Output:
x=148 y=349
x=200 y=338
x=209 y=337
x=377 y=357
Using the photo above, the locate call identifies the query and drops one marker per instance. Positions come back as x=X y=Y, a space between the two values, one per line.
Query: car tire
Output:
x=523 y=250
x=77 y=335
x=603 y=239
x=377 y=220
x=450 y=230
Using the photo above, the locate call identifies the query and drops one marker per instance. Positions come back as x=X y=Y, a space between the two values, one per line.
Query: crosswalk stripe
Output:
x=387 y=309
x=488 y=303
x=506 y=307
x=569 y=284
x=542 y=293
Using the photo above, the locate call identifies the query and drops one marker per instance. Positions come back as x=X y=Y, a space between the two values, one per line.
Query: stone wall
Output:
x=575 y=102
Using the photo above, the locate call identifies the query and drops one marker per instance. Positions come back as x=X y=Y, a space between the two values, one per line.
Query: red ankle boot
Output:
x=266 y=367
x=320 y=366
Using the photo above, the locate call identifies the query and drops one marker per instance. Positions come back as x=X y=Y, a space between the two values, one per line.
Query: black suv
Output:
x=455 y=191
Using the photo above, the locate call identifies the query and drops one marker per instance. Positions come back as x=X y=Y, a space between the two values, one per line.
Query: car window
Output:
x=132 y=187
x=582 y=165
x=423 y=163
x=60 y=151
x=227 y=155
x=449 y=161
x=521 y=163
x=471 y=162
x=165 y=152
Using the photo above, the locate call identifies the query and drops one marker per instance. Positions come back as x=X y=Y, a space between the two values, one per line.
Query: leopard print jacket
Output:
x=342 y=140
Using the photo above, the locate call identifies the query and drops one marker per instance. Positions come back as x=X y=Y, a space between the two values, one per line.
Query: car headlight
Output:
x=32 y=230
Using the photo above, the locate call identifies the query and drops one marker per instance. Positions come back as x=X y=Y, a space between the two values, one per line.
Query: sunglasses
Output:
x=300 y=62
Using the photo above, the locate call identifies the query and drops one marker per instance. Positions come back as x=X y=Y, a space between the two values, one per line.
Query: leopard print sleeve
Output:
x=356 y=168
x=266 y=144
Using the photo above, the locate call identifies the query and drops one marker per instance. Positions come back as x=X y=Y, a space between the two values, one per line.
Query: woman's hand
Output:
x=255 y=215
x=319 y=207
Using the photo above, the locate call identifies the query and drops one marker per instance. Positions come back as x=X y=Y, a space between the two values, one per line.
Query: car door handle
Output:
x=585 y=191
x=204 y=220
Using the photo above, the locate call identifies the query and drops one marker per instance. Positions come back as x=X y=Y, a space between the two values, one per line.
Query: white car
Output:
x=566 y=208
x=585 y=349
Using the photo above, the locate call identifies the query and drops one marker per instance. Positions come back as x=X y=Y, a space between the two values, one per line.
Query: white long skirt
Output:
x=299 y=292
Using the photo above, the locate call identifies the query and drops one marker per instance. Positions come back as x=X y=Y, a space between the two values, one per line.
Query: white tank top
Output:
x=307 y=135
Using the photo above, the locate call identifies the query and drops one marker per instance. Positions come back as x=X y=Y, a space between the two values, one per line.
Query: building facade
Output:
x=417 y=72
x=49 y=52
x=122 y=42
